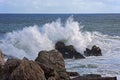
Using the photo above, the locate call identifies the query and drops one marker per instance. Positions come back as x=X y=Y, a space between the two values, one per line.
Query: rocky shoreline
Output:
x=49 y=65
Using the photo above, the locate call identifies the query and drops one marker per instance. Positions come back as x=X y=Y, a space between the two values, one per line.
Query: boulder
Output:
x=11 y=65
x=95 y=51
x=2 y=62
x=8 y=68
x=55 y=62
x=27 y=70
x=68 y=52
x=15 y=69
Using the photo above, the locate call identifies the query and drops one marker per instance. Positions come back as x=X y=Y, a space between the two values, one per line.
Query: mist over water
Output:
x=27 y=42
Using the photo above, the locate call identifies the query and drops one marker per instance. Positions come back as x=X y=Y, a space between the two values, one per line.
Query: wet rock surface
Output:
x=95 y=51
x=94 y=78
x=73 y=74
x=68 y=52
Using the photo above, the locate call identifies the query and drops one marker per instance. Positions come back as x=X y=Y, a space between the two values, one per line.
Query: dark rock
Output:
x=54 y=61
x=92 y=75
x=95 y=51
x=73 y=74
x=68 y=52
x=87 y=52
x=94 y=78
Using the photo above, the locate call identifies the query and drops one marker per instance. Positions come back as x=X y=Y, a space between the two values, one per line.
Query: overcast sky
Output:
x=59 y=6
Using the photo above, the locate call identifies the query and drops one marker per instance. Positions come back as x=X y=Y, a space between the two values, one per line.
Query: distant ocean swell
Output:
x=30 y=40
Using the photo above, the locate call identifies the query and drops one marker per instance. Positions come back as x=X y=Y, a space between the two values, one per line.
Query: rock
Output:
x=73 y=74
x=15 y=69
x=2 y=62
x=53 y=59
x=68 y=52
x=11 y=64
x=51 y=78
x=27 y=70
x=49 y=71
x=95 y=51
x=92 y=75
x=94 y=78
x=8 y=68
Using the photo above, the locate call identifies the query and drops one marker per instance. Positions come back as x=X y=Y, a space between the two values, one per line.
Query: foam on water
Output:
x=29 y=41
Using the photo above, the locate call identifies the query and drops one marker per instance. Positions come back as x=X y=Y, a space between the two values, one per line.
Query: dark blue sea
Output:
x=24 y=35
x=104 y=23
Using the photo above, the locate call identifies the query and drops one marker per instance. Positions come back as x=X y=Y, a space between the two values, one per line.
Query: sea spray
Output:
x=30 y=40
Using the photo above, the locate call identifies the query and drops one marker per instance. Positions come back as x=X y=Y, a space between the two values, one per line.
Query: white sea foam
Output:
x=29 y=41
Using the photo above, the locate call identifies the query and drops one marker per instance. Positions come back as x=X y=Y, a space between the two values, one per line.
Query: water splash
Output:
x=30 y=40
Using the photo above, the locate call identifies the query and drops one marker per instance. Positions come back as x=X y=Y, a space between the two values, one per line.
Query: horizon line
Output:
x=59 y=13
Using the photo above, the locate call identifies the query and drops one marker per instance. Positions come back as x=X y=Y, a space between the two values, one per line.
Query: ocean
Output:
x=24 y=35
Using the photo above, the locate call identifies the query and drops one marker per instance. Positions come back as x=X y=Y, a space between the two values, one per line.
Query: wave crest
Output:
x=29 y=41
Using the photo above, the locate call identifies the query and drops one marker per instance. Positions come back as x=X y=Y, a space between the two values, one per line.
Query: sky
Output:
x=59 y=6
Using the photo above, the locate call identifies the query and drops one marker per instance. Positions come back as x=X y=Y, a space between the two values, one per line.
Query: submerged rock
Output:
x=95 y=51
x=93 y=77
x=54 y=61
x=68 y=52
x=73 y=74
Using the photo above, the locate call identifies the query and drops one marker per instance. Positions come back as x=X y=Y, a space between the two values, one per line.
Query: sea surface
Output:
x=27 y=34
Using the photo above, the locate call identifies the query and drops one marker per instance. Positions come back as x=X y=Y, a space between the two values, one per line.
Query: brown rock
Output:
x=2 y=62
x=54 y=60
x=11 y=64
x=27 y=70
x=49 y=71
x=15 y=69
x=51 y=78
x=8 y=68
